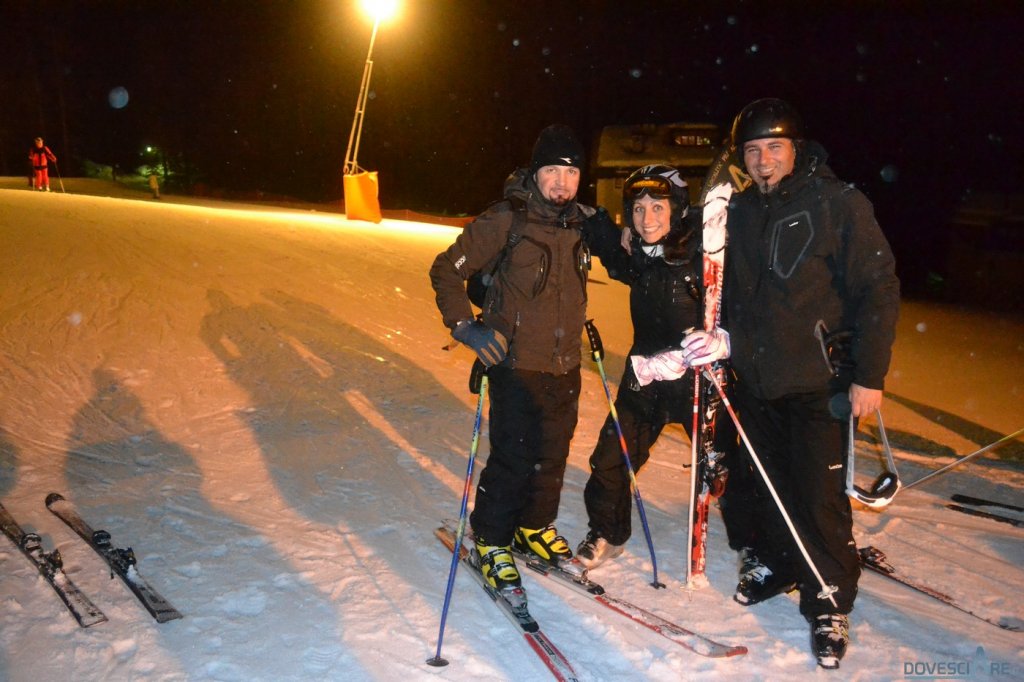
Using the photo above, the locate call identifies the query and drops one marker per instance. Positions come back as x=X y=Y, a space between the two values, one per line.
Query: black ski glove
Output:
x=599 y=224
x=489 y=345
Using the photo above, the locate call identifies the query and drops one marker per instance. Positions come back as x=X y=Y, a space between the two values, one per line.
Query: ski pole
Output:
x=827 y=591
x=477 y=384
x=965 y=458
x=693 y=479
x=597 y=352
x=60 y=180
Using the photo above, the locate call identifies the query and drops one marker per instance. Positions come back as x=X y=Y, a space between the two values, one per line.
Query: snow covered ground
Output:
x=257 y=400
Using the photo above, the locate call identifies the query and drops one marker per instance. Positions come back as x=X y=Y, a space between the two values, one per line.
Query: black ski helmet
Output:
x=769 y=117
x=660 y=182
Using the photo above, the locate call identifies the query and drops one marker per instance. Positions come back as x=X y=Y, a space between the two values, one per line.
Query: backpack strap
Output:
x=476 y=286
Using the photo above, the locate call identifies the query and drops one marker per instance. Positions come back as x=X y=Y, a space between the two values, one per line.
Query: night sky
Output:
x=260 y=95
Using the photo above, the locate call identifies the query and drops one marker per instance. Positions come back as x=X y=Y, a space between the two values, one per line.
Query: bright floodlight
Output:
x=380 y=10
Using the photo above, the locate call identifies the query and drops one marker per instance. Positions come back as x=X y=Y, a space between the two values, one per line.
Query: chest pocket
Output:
x=528 y=268
x=791 y=238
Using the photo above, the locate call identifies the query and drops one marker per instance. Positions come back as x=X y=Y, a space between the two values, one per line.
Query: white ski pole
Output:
x=827 y=591
x=965 y=458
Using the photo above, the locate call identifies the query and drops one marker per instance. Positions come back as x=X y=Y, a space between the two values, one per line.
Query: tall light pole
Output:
x=380 y=10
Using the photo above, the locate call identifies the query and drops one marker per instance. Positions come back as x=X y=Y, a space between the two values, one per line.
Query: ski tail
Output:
x=980 y=502
x=51 y=566
x=875 y=559
x=981 y=513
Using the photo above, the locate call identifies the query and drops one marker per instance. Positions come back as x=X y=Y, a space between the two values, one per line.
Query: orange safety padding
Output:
x=361 y=202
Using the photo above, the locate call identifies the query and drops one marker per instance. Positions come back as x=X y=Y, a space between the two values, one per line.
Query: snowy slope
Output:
x=258 y=402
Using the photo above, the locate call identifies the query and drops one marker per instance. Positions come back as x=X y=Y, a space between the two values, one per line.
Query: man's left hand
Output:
x=703 y=348
x=864 y=401
x=626 y=240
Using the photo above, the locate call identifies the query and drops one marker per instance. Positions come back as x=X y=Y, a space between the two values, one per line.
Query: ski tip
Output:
x=94 y=619
x=167 y=616
x=53 y=498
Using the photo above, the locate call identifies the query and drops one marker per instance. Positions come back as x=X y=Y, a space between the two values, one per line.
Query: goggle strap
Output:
x=888 y=483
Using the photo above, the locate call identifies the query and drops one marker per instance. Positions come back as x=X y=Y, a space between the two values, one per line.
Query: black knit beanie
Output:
x=556 y=145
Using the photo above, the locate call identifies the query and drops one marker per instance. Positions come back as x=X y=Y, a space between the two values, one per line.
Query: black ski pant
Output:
x=801 y=446
x=532 y=419
x=607 y=496
x=739 y=504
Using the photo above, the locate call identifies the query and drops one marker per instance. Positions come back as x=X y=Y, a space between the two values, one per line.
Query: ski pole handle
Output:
x=596 y=347
x=476 y=376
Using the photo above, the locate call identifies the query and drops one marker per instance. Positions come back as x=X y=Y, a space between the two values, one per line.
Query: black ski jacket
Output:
x=538 y=297
x=809 y=251
x=664 y=301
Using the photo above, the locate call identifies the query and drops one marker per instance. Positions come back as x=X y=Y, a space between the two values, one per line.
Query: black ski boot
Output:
x=759 y=583
x=830 y=634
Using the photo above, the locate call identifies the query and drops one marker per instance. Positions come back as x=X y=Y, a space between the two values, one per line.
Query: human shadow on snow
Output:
x=8 y=463
x=966 y=428
x=326 y=401
x=343 y=422
x=336 y=413
x=128 y=479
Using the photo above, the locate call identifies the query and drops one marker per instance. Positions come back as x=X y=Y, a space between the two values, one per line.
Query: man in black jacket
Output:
x=805 y=256
x=530 y=250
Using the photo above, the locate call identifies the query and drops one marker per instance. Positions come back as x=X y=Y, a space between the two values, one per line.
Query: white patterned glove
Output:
x=665 y=366
x=703 y=348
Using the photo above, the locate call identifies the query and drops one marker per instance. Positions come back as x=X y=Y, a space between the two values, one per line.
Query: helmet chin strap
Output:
x=653 y=250
x=888 y=483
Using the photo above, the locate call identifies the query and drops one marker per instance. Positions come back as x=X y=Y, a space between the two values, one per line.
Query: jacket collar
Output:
x=520 y=185
x=810 y=164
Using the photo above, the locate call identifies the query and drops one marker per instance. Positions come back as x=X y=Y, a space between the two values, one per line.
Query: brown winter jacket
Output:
x=538 y=298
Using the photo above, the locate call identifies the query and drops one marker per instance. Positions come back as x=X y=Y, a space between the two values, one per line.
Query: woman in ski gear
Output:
x=529 y=253
x=804 y=248
x=663 y=271
x=39 y=155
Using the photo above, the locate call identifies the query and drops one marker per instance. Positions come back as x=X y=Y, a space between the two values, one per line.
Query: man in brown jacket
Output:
x=530 y=255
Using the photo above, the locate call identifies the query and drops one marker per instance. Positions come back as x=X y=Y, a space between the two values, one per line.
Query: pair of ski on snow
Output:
x=50 y=564
x=976 y=502
x=514 y=605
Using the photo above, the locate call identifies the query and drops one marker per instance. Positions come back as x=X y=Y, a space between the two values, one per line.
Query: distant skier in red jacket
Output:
x=38 y=156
